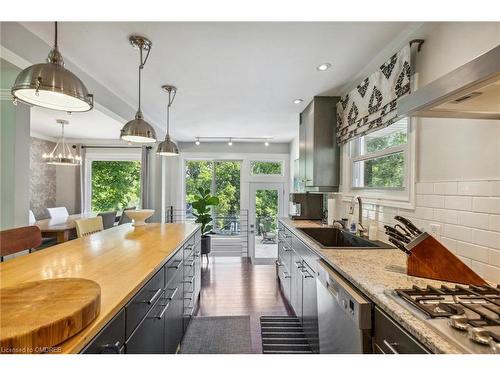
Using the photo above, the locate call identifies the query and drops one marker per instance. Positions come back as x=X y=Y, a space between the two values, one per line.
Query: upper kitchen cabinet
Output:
x=319 y=154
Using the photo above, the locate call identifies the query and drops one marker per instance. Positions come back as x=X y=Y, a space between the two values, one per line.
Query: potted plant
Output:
x=202 y=205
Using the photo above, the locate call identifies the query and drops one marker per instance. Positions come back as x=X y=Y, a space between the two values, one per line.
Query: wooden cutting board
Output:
x=36 y=316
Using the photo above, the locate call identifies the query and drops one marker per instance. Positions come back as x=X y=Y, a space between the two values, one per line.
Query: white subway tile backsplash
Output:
x=458 y=203
x=486 y=238
x=477 y=188
x=445 y=216
x=495 y=222
x=474 y=219
x=486 y=204
x=494 y=257
x=475 y=252
x=458 y=233
x=495 y=188
x=433 y=201
x=425 y=188
x=469 y=215
x=491 y=273
x=446 y=188
x=449 y=243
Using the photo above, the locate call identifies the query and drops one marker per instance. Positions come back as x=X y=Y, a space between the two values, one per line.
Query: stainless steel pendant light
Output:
x=168 y=147
x=52 y=86
x=61 y=154
x=138 y=130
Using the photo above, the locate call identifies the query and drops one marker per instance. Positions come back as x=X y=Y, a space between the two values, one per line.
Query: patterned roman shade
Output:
x=372 y=104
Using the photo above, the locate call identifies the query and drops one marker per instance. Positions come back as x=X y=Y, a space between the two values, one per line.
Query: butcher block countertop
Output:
x=121 y=260
x=375 y=273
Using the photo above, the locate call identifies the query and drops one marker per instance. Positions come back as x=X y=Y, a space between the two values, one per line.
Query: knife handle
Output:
x=399 y=245
x=408 y=224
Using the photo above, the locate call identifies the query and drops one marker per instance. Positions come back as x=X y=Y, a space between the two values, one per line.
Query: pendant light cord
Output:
x=141 y=66
x=55 y=35
x=170 y=101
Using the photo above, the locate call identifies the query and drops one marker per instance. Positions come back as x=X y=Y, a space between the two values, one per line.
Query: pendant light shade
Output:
x=51 y=85
x=168 y=147
x=62 y=154
x=138 y=130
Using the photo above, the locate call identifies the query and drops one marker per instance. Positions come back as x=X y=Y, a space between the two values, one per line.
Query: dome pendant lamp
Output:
x=51 y=85
x=168 y=147
x=138 y=130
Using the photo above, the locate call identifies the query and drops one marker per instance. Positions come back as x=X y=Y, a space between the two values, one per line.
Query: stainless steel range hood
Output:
x=470 y=91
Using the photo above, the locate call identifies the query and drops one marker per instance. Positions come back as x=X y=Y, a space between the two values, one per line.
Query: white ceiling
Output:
x=88 y=125
x=234 y=79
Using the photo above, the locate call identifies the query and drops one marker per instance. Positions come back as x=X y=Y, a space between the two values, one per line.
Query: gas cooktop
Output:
x=468 y=316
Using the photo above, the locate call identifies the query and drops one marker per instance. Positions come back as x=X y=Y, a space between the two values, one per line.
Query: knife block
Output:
x=431 y=259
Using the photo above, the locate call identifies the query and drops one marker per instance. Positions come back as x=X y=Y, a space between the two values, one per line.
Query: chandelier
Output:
x=62 y=154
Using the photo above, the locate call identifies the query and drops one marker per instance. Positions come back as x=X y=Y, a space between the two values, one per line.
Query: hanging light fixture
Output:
x=61 y=154
x=138 y=130
x=52 y=86
x=168 y=147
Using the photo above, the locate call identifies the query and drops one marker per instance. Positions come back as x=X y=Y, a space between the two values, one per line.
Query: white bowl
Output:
x=139 y=216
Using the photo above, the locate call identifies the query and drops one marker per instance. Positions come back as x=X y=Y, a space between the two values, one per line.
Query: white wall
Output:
x=68 y=188
x=458 y=161
x=294 y=155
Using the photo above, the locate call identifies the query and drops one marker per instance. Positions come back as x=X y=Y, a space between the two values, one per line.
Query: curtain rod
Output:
x=147 y=147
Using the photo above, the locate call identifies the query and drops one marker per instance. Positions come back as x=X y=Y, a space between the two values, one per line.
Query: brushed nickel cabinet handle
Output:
x=163 y=311
x=152 y=299
x=391 y=346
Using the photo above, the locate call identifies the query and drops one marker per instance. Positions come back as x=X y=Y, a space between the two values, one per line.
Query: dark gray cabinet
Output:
x=310 y=307
x=148 y=337
x=174 y=327
x=390 y=338
x=319 y=153
x=296 y=284
x=142 y=302
x=155 y=319
x=111 y=339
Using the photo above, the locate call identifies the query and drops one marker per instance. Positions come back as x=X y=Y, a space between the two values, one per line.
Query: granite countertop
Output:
x=374 y=273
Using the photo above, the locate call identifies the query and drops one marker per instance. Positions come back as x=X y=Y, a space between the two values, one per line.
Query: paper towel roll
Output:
x=334 y=208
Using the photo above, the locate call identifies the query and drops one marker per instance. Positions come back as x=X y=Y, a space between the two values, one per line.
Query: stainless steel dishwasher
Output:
x=344 y=315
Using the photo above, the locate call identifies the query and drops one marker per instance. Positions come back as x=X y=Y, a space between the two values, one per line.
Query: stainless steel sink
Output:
x=337 y=238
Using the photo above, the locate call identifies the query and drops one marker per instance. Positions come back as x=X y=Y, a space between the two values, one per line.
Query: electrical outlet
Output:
x=435 y=230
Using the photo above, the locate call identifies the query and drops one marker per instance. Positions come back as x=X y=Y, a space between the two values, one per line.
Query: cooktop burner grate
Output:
x=446 y=301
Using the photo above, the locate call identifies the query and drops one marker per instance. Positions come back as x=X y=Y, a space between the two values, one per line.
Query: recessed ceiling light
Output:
x=297 y=101
x=323 y=67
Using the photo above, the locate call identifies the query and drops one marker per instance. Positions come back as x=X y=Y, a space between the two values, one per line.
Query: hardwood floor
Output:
x=234 y=286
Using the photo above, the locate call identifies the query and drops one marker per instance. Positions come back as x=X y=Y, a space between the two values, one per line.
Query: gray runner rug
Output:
x=217 y=335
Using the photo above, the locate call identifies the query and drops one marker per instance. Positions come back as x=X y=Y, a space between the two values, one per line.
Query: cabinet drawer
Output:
x=148 y=338
x=110 y=339
x=390 y=338
x=143 y=301
x=173 y=267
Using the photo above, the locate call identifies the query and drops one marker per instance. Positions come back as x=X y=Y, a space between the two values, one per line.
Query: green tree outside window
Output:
x=115 y=185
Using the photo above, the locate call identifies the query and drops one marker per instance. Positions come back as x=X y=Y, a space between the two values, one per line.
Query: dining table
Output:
x=62 y=228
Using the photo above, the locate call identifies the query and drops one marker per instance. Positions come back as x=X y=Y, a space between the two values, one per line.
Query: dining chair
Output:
x=18 y=239
x=57 y=212
x=124 y=218
x=32 y=218
x=86 y=227
x=108 y=219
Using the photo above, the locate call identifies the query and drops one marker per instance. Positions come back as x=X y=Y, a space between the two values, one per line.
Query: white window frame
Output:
x=104 y=155
x=392 y=197
x=268 y=161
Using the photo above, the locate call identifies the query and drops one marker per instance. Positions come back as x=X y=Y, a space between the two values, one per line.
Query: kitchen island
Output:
x=376 y=273
x=122 y=260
